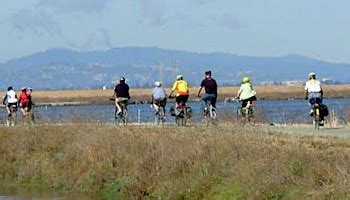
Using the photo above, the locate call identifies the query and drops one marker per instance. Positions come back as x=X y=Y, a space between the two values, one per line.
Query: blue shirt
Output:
x=158 y=93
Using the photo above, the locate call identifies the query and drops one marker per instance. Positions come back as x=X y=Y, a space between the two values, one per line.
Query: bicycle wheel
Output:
x=160 y=116
x=125 y=116
x=317 y=118
x=116 y=117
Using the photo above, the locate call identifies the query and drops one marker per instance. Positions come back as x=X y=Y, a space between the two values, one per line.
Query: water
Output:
x=273 y=111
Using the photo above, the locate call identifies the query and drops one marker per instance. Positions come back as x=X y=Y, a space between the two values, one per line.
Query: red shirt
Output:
x=23 y=97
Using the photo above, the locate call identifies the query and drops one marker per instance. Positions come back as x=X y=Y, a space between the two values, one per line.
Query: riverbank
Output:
x=143 y=95
x=227 y=161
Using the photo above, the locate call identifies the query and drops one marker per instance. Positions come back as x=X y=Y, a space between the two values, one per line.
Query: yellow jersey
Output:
x=181 y=87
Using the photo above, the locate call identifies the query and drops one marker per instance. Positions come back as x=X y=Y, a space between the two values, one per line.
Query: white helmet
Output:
x=158 y=84
x=179 y=77
x=311 y=74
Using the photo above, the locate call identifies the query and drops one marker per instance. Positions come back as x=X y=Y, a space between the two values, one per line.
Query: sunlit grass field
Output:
x=196 y=162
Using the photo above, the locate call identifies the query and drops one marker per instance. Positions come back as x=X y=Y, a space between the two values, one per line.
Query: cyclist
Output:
x=181 y=88
x=313 y=91
x=158 y=96
x=246 y=94
x=121 y=93
x=23 y=101
x=10 y=99
x=29 y=94
x=211 y=90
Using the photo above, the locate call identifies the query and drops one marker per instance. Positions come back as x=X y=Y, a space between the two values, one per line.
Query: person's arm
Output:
x=201 y=88
x=306 y=92
x=128 y=93
x=164 y=93
x=4 y=101
x=173 y=90
x=216 y=88
x=199 y=91
x=114 y=96
x=239 y=93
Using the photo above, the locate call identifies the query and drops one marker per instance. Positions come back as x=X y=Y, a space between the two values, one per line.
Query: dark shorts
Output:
x=250 y=100
x=160 y=102
x=9 y=105
x=313 y=101
x=24 y=104
x=182 y=99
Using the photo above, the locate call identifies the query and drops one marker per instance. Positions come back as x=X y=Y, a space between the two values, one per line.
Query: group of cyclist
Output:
x=23 y=100
x=179 y=91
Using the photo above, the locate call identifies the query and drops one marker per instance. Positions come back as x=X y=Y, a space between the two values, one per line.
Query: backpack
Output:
x=324 y=110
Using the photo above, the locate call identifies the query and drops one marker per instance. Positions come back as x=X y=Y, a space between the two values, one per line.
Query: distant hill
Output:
x=64 y=68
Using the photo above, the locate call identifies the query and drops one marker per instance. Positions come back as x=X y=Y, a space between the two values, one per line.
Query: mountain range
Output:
x=69 y=69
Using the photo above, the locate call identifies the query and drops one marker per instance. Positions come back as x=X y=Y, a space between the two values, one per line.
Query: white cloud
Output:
x=98 y=38
x=89 y=6
x=39 y=22
x=152 y=13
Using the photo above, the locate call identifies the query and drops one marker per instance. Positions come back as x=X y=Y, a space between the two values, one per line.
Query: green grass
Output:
x=224 y=162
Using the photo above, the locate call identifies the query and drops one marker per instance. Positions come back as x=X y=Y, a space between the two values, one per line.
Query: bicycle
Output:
x=122 y=117
x=210 y=112
x=316 y=112
x=160 y=113
x=29 y=116
x=246 y=114
x=182 y=114
x=11 y=118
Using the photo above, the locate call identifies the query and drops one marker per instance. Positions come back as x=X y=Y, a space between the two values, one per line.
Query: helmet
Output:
x=9 y=88
x=179 y=77
x=122 y=79
x=29 y=88
x=208 y=73
x=23 y=89
x=246 y=79
x=158 y=84
x=312 y=74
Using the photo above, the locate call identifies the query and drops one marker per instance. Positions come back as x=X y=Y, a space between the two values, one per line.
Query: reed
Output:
x=196 y=162
x=142 y=94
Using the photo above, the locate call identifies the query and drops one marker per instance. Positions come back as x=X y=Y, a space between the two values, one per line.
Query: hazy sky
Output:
x=315 y=28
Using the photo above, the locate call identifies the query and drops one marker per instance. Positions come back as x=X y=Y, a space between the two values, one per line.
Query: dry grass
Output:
x=264 y=92
x=224 y=162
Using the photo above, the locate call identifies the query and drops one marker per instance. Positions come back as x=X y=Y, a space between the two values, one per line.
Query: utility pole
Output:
x=175 y=67
x=161 y=72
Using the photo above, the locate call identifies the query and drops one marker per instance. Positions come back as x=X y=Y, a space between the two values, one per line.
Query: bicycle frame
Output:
x=181 y=118
x=11 y=119
x=160 y=115
x=316 y=115
x=210 y=113
x=123 y=116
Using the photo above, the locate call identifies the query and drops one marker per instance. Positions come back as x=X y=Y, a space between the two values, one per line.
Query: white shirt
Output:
x=313 y=86
x=246 y=91
x=11 y=96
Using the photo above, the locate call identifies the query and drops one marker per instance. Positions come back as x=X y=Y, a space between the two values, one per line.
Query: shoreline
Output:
x=142 y=95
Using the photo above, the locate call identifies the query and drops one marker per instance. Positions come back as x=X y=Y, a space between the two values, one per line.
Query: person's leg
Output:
x=178 y=101
x=117 y=100
x=204 y=100
x=8 y=109
x=23 y=112
x=156 y=106
x=214 y=101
